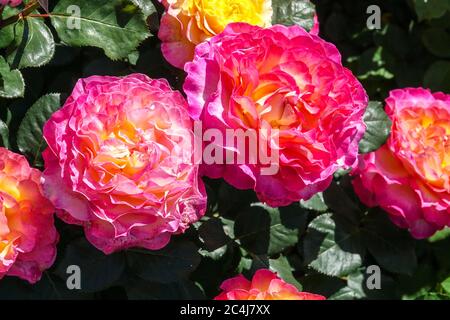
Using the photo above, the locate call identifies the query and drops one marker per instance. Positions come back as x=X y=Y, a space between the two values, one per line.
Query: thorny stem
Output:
x=32 y=6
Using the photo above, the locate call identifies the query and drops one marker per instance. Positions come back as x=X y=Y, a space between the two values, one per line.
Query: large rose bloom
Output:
x=285 y=81
x=186 y=23
x=28 y=236
x=265 y=285
x=119 y=162
x=409 y=176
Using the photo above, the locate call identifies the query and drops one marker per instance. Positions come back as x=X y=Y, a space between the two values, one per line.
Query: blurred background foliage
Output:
x=324 y=245
x=412 y=48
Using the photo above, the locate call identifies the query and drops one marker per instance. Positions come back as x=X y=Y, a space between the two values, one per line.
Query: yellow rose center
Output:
x=425 y=144
x=212 y=16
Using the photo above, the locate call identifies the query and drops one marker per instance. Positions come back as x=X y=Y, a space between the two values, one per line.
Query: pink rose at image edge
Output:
x=265 y=285
x=28 y=236
x=299 y=86
x=11 y=3
x=118 y=162
x=408 y=177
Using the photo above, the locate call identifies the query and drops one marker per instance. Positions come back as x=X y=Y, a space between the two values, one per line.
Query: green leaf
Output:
x=111 y=25
x=291 y=12
x=33 y=44
x=431 y=9
x=171 y=264
x=316 y=203
x=437 y=77
x=357 y=282
x=7 y=33
x=213 y=235
x=378 y=128
x=6 y=36
x=215 y=254
x=12 y=84
x=265 y=230
x=392 y=248
x=228 y=227
x=4 y=134
x=345 y=293
x=245 y=264
x=146 y=6
x=446 y=285
x=421 y=282
x=437 y=41
x=133 y=57
x=440 y=235
x=98 y=271
x=29 y=136
x=433 y=296
x=373 y=63
x=284 y=270
x=332 y=246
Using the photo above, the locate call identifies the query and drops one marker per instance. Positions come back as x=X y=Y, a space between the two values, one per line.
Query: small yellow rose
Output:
x=187 y=23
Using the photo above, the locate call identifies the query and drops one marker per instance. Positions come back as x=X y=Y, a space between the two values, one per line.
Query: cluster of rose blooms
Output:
x=113 y=163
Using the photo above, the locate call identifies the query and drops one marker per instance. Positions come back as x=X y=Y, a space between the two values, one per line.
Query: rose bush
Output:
x=127 y=162
x=28 y=236
x=409 y=176
x=285 y=79
x=119 y=162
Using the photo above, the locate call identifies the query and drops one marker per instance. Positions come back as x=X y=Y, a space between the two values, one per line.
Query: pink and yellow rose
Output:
x=286 y=81
x=265 y=285
x=28 y=236
x=409 y=177
x=186 y=23
x=119 y=162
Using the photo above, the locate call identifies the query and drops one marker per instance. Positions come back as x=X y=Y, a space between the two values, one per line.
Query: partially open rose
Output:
x=409 y=177
x=28 y=236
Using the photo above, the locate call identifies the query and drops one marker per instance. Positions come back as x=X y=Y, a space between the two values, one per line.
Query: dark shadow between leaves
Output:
x=347 y=238
x=125 y=11
x=23 y=43
x=254 y=233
